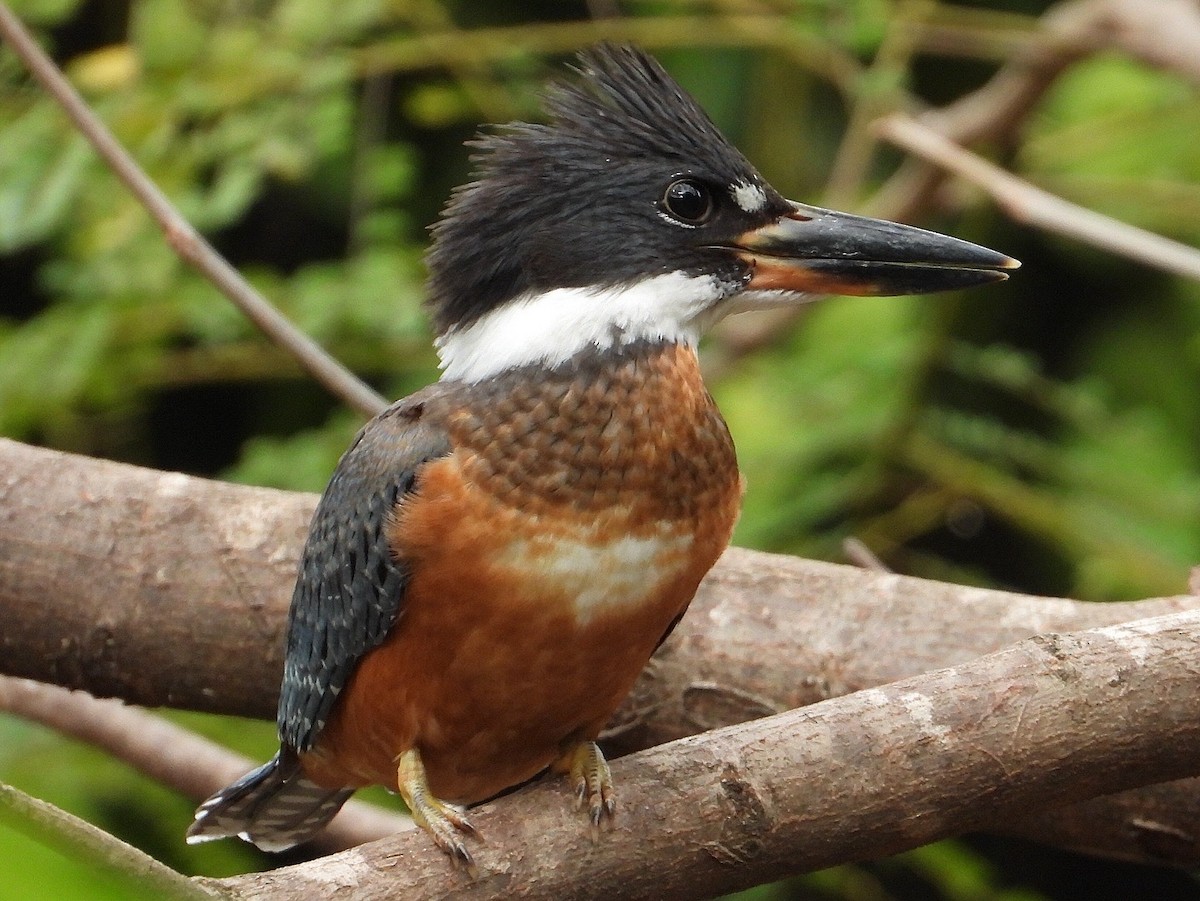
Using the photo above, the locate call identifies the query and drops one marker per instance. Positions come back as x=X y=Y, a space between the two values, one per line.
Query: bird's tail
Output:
x=274 y=807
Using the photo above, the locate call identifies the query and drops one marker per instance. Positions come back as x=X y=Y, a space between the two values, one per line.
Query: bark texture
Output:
x=1051 y=720
x=163 y=589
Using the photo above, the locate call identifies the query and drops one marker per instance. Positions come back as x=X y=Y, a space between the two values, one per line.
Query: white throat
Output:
x=550 y=327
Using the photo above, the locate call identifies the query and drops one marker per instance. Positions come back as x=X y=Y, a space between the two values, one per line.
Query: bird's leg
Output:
x=587 y=769
x=446 y=823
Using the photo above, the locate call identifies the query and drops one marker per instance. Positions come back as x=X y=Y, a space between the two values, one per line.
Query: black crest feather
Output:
x=550 y=203
x=626 y=101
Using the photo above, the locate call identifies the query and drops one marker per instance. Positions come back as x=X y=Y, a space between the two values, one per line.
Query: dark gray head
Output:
x=604 y=194
x=628 y=215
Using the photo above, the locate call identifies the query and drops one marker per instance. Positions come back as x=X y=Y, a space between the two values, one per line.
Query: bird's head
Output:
x=629 y=217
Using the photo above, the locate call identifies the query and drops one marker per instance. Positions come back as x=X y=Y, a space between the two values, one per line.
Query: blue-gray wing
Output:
x=350 y=586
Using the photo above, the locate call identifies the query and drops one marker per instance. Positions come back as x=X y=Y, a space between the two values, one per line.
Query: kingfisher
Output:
x=497 y=556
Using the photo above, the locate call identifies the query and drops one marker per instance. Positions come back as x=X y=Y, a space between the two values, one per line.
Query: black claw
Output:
x=462 y=858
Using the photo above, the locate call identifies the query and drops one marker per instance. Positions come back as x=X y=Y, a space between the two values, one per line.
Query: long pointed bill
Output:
x=817 y=251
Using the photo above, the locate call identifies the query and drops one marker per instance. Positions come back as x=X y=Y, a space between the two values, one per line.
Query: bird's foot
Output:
x=588 y=771
x=446 y=823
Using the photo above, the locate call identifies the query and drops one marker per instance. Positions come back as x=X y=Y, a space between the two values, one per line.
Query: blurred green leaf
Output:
x=1119 y=137
x=168 y=34
x=43 y=12
x=41 y=168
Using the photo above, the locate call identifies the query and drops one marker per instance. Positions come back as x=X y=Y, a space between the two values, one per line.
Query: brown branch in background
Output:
x=866 y=775
x=190 y=246
x=169 y=754
x=1033 y=206
x=1164 y=34
x=450 y=49
x=974 y=32
x=175 y=563
x=852 y=162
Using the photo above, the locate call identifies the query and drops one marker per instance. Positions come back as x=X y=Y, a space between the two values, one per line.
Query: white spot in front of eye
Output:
x=750 y=198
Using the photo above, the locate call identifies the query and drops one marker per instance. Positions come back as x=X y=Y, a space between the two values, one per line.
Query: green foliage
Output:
x=1120 y=138
x=841 y=369
x=48 y=874
x=1043 y=434
x=300 y=462
x=44 y=12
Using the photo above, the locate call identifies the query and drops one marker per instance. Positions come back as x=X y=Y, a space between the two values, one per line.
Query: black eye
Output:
x=688 y=201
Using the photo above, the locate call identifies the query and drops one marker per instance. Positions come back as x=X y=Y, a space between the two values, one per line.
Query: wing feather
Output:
x=350 y=586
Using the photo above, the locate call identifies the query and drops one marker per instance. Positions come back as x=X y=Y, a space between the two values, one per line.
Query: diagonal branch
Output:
x=171 y=755
x=1164 y=34
x=1031 y=205
x=177 y=562
x=80 y=840
x=191 y=247
x=1048 y=721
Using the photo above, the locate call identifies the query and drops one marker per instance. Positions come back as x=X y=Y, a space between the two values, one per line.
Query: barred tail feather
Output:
x=273 y=807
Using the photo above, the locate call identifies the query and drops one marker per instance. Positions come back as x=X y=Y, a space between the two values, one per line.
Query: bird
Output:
x=497 y=556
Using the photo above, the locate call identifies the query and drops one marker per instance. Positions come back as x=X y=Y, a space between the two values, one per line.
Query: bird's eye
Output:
x=688 y=201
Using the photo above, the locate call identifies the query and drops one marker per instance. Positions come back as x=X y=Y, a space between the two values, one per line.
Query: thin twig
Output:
x=1031 y=205
x=1165 y=34
x=446 y=49
x=169 y=754
x=81 y=841
x=853 y=160
x=191 y=247
x=974 y=33
x=860 y=555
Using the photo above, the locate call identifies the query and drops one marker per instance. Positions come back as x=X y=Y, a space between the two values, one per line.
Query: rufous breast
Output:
x=549 y=554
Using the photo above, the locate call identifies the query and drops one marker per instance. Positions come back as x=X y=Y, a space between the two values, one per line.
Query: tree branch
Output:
x=1048 y=721
x=80 y=840
x=177 y=562
x=176 y=757
x=187 y=243
x=1165 y=34
x=1031 y=205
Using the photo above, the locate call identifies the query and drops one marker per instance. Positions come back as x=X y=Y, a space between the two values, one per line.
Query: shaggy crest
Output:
x=541 y=192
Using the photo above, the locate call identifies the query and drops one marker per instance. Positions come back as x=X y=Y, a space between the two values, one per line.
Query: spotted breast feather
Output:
x=546 y=559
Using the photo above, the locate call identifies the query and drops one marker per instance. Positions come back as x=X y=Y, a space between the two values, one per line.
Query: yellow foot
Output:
x=587 y=769
x=445 y=823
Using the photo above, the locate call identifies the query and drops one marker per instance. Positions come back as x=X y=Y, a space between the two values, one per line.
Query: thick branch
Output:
x=107 y=571
x=174 y=562
x=109 y=574
x=1051 y=720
